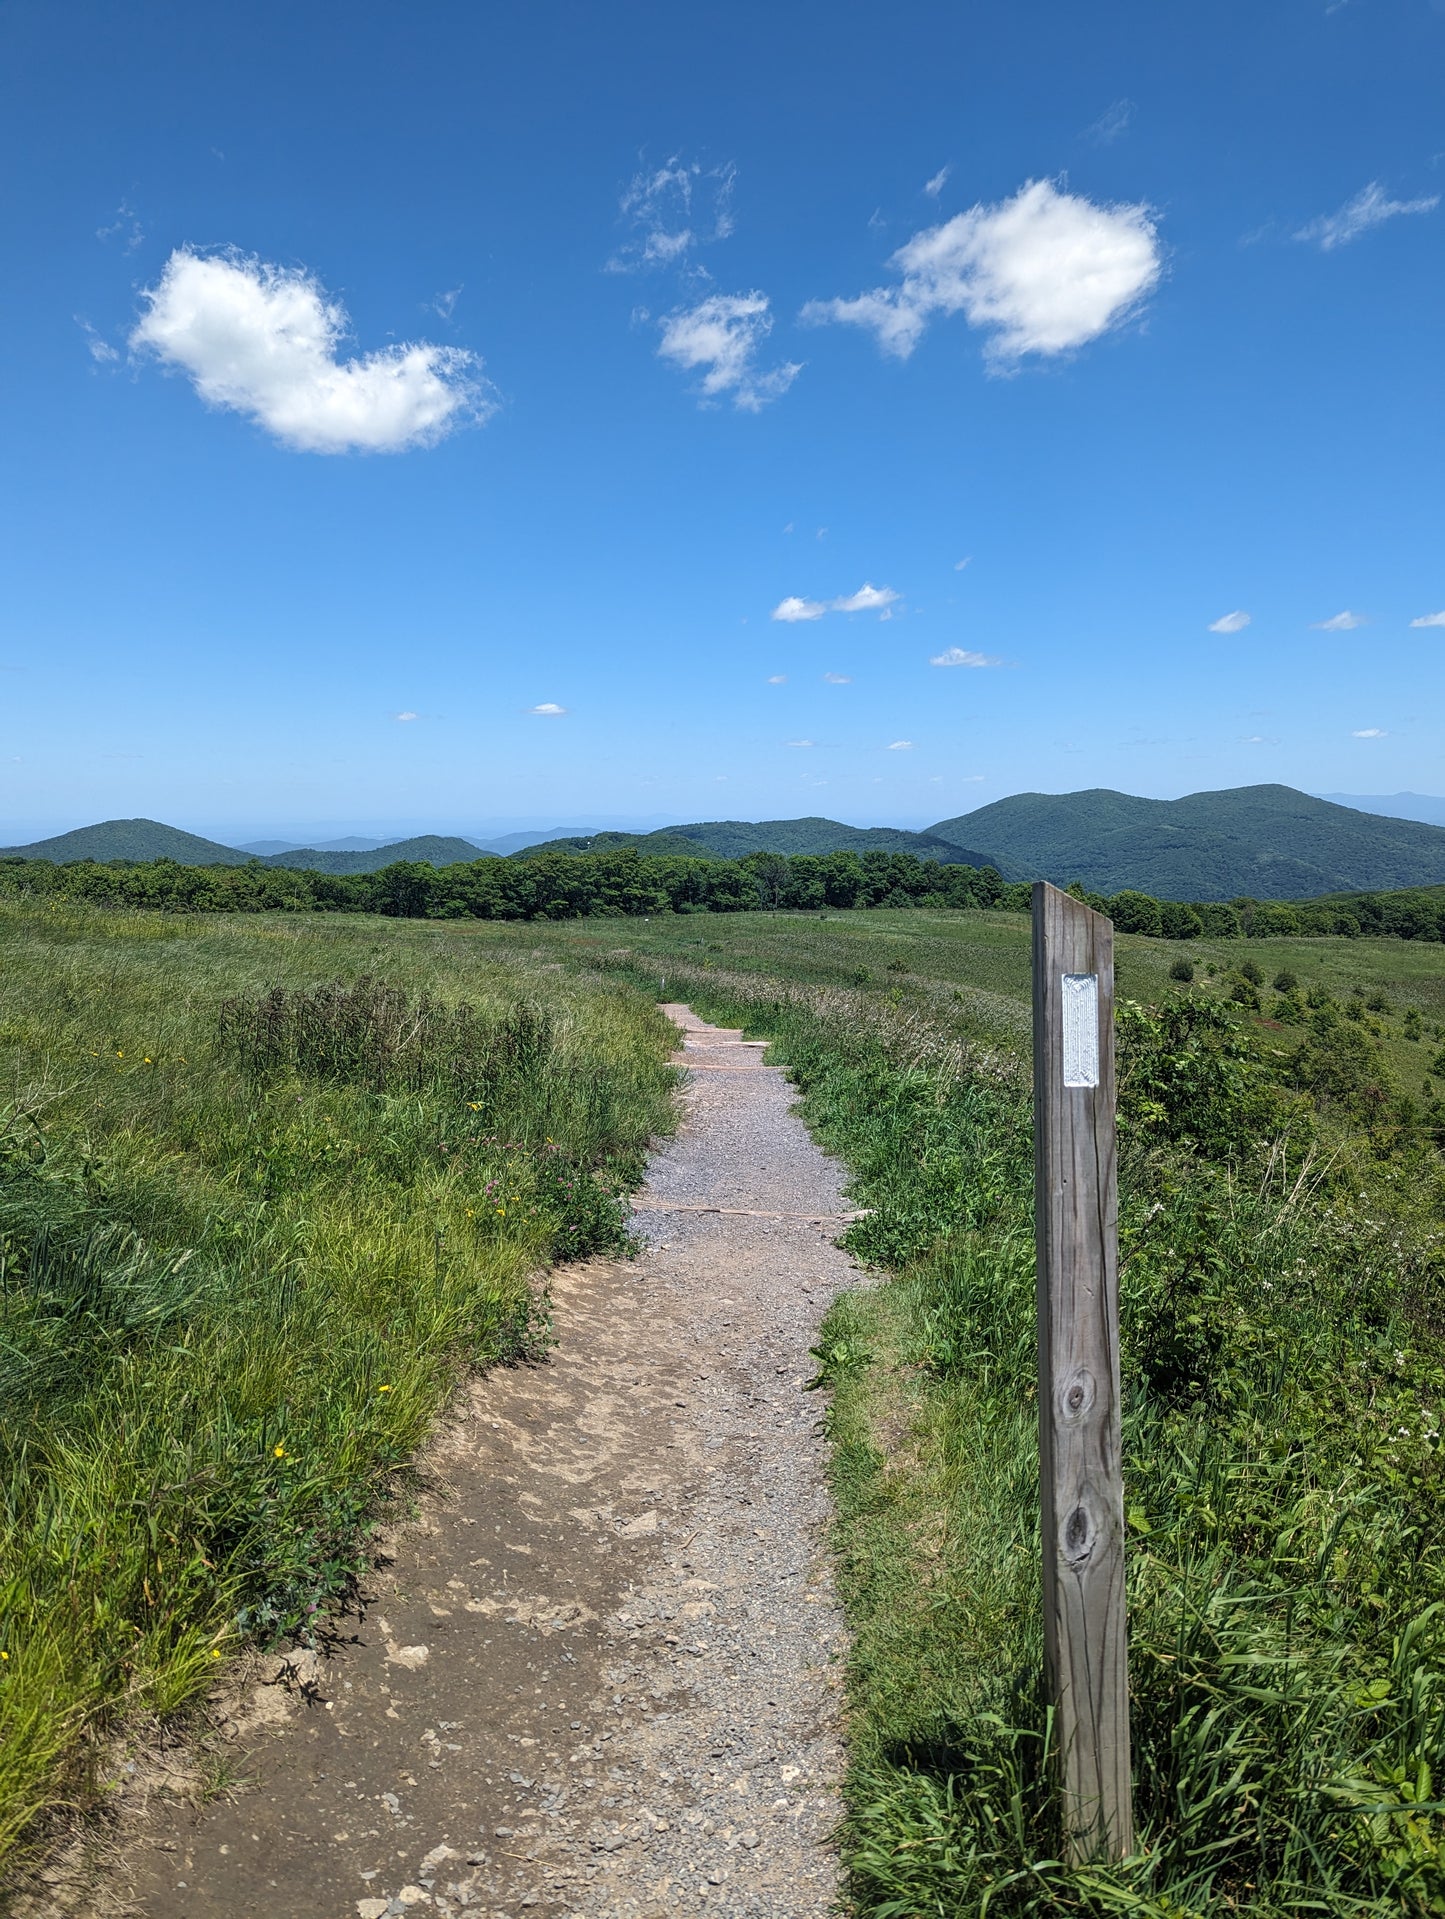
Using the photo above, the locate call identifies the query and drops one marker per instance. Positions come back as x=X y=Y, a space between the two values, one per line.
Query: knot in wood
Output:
x=1077 y=1394
x=1078 y=1537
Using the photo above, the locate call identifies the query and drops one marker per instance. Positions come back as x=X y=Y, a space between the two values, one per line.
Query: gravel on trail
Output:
x=601 y=1673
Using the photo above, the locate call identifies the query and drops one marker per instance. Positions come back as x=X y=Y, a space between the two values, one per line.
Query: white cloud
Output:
x=548 y=710
x=959 y=565
x=1112 y=122
x=1042 y=273
x=722 y=335
x=900 y=746
x=960 y=656
x=936 y=185
x=1429 y=619
x=868 y=599
x=1229 y=623
x=1371 y=207
x=1370 y=733
x=777 y=679
x=1345 y=622
x=406 y=716
x=838 y=679
x=445 y=303
x=793 y=609
x=262 y=340
x=672 y=209
x=798 y=742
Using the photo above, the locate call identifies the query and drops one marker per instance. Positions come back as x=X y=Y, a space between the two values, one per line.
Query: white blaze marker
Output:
x=1081 y=1029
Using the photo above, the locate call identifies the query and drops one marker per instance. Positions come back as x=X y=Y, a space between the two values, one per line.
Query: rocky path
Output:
x=601 y=1675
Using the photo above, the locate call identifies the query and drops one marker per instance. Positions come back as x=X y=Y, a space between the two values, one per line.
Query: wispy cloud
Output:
x=444 y=305
x=959 y=565
x=960 y=656
x=900 y=746
x=720 y=338
x=794 y=608
x=1371 y=207
x=868 y=599
x=406 y=716
x=1430 y=619
x=263 y=341
x=777 y=679
x=797 y=742
x=1041 y=273
x=1111 y=123
x=1234 y=622
x=1370 y=733
x=548 y=710
x=672 y=209
x=99 y=349
x=936 y=185
x=838 y=679
x=1345 y=622
x=125 y=227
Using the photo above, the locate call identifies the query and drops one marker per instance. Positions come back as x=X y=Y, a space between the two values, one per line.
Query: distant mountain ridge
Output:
x=429 y=848
x=1264 y=842
x=129 y=840
x=1393 y=806
x=735 y=839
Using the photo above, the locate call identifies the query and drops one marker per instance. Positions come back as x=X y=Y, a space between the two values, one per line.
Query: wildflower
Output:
x=4 y=1655
x=215 y=1652
x=278 y=1452
x=383 y=1389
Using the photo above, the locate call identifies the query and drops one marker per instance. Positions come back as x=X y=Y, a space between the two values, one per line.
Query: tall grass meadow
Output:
x=267 y=1189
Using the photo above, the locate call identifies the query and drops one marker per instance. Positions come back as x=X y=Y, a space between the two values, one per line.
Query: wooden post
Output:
x=1081 y=1486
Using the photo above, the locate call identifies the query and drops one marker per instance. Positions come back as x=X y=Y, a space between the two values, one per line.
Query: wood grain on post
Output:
x=1081 y=1485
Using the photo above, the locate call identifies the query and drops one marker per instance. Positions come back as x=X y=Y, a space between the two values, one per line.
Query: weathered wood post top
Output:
x=1081 y=1486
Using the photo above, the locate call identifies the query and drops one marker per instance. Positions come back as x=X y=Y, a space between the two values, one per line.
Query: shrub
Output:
x=1285 y=982
x=1182 y=970
x=1252 y=973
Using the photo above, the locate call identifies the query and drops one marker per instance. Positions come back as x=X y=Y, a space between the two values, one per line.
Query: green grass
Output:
x=227 y=1233
x=1284 y=1364
x=244 y=1257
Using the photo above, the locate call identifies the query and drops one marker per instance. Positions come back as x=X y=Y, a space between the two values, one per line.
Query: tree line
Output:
x=625 y=884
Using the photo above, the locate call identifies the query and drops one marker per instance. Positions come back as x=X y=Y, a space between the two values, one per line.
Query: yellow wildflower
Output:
x=278 y=1452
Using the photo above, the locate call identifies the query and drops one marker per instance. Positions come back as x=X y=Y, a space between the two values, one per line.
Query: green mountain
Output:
x=431 y=848
x=1266 y=842
x=734 y=839
x=129 y=840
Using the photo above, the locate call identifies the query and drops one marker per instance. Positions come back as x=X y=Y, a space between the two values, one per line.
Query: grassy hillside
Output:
x=267 y=1189
x=1267 y=842
x=430 y=848
x=735 y=839
x=129 y=840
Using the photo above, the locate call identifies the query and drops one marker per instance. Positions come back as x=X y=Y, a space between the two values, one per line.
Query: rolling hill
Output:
x=1267 y=842
x=734 y=839
x=129 y=840
x=430 y=848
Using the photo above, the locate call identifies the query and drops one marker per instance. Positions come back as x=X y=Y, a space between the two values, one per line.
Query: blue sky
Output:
x=375 y=377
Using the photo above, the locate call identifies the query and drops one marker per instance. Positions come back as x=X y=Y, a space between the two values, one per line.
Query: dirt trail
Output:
x=601 y=1675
